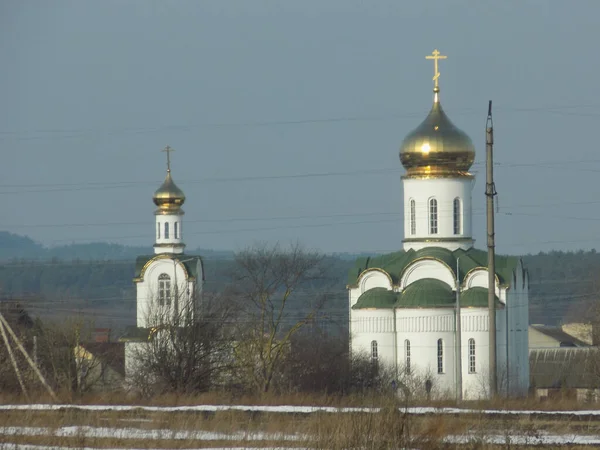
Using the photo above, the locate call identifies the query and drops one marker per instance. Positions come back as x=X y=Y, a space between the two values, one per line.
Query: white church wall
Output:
x=373 y=325
x=518 y=311
x=475 y=326
x=444 y=190
x=423 y=328
x=427 y=268
x=147 y=289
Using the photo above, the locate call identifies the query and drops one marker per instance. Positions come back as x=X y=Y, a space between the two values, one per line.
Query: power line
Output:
x=81 y=132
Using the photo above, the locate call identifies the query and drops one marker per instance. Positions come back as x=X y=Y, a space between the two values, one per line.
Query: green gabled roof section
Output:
x=190 y=263
x=395 y=263
x=426 y=293
x=477 y=297
x=378 y=297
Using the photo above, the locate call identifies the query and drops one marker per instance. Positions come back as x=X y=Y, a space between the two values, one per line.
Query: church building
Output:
x=403 y=305
x=169 y=282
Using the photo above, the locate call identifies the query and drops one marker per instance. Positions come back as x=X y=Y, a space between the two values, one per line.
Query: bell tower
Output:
x=437 y=185
x=168 y=229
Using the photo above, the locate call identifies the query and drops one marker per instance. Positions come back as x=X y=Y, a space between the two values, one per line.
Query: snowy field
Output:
x=294 y=409
x=122 y=430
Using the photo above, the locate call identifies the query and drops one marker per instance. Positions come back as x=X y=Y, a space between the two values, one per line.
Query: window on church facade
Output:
x=433 y=216
x=164 y=290
x=166 y=230
x=471 y=355
x=176 y=230
x=407 y=356
x=158 y=230
x=440 y=355
x=413 y=218
x=457 y=217
x=374 y=351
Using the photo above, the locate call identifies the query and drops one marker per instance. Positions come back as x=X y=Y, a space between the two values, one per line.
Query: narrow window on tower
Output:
x=166 y=230
x=176 y=230
x=457 y=216
x=440 y=356
x=433 y=216
x=164 y=290
x=374 y=351
x=407 y=356
x=471 y=355
x=413 y=218
x=157 y=230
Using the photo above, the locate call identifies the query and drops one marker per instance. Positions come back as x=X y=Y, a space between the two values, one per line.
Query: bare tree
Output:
x=62 y=356
x=187 y=350
x=275 y=289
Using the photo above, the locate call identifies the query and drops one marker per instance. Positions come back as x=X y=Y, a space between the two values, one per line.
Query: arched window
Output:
x=440 y=356
x=157 y=230
x=166 y=230
x=374 y=352
x=457 y=216
x=413 y=218
x=433 y=216
x=164 y=289
x=407 y=356
x=176 y=230
x=471 y=355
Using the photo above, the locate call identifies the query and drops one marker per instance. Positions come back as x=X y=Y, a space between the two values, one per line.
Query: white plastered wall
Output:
x=174 y=243
x=147 y=289
x=444 y=190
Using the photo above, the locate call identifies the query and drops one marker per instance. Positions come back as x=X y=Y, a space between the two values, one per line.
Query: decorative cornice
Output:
x=432 y=176
x=167 y=212
x=449 y=239
x=158 y=258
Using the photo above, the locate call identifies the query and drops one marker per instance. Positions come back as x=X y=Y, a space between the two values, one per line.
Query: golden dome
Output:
x=168 y=197
x=436 y=148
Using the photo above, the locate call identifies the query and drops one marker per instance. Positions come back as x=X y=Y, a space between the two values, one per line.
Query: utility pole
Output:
x=490 y=192
x=458 y=337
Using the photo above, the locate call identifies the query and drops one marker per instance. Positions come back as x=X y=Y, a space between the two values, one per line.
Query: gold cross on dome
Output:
x=435 y=55
x=168 y=150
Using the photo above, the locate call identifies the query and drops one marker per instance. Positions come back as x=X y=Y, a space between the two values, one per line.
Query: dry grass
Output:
x=388 y=429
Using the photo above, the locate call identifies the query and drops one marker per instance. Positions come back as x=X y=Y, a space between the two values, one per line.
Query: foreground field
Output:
x=385 y=426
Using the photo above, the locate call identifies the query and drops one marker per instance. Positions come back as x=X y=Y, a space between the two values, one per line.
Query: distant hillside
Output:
x=98 y=276
x=16 y=247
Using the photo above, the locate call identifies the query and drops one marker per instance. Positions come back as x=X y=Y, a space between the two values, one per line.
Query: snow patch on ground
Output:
x=289 y=409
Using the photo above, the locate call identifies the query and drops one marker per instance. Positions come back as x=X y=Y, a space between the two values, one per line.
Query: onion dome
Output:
x=168 y=197
x=437 y=148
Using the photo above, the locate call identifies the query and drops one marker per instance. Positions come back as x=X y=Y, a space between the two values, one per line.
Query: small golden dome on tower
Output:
x=168 y=197
x=437 y=148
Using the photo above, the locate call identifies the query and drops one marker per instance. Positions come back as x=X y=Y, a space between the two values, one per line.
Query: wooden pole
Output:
x=26 y=355
x=458 y=338
x=13 y=360
x=490 y=192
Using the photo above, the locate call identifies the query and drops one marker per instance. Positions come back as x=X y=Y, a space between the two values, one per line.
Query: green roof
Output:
x=476 y=297
x=189 y=262
x=427 y=293
x=395 y=263
x=423 y=293
x=376 y=298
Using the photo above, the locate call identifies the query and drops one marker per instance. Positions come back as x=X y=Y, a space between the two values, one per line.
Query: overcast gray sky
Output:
x=257 y=96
